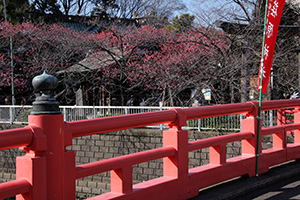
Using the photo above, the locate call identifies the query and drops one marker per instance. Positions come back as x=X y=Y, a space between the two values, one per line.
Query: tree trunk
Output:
x=171 y=97
x=122 y=97
x=245 y=84
x=299 y=69
x=163 y=97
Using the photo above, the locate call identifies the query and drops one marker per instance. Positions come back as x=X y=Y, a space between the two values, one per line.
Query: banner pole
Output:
x=260 y=91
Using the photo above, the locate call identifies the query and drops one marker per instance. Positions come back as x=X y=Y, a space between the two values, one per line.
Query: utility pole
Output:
x=12 y=72
x=12 y=60
x=4 y=7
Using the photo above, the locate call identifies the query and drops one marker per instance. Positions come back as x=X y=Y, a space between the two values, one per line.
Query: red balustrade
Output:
x=48 y=170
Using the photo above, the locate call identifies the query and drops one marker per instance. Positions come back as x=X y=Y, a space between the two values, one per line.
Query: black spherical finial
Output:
x=45 y=82
x=46 y=103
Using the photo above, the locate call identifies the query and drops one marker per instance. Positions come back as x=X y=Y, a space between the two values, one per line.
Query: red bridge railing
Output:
x=48 y=170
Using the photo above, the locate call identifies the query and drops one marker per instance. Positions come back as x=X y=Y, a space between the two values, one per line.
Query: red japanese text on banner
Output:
x=274 y=12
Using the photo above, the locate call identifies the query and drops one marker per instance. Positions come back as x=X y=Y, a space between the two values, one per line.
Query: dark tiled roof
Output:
x=95 y=61
x=81 y=27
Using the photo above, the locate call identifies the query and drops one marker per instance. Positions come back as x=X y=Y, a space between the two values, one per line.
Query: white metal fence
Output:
x=19 y=115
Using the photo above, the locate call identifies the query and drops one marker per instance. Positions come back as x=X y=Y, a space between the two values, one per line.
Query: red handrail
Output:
x=13 y=188
x=48 y=170
x=108 y=124
x=118 y=162
x=115 y=123
x=218 y=110
x=13 y=138
x=280 y=104
x=218 y=140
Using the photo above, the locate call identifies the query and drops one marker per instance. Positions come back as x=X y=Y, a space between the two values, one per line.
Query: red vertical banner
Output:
x=274 y=12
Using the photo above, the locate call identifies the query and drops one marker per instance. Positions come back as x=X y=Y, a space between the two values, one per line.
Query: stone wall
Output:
x=98 y=147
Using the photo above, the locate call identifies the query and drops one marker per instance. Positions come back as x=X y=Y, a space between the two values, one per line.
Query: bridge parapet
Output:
x=48 y=169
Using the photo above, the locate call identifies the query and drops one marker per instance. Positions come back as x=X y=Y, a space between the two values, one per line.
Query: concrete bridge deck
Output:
x=280 y=182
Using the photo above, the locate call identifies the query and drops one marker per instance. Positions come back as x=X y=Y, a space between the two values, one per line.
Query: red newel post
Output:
x=250 y=123
x=48 y=166
x=297 y=131
x=177 y=166
x=249 y=145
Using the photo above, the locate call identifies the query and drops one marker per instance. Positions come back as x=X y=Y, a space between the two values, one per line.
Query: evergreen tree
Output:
x=41 y=8
x=17 y=11
x=103 y=7
x=182 y=23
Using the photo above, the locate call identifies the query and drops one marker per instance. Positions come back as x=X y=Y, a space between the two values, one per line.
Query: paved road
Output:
x=280 y=183
x=284 y=189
